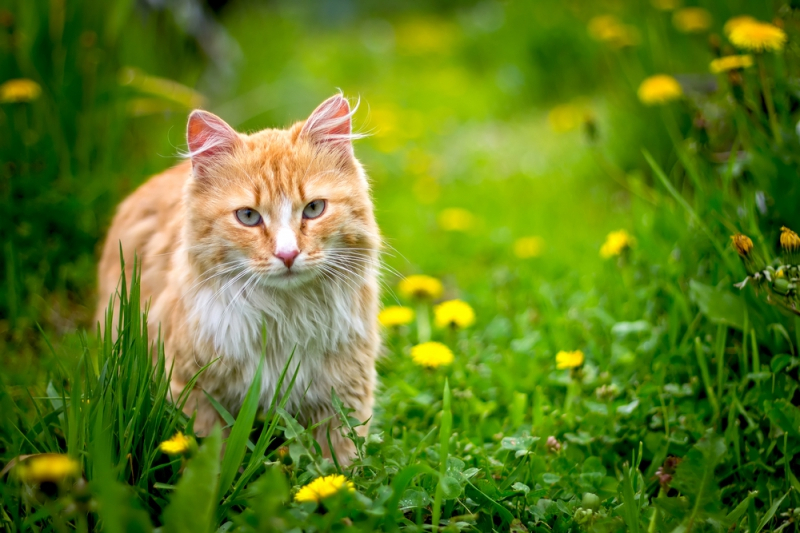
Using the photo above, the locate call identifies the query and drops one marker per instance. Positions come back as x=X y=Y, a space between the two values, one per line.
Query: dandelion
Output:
x=422 y=287
x=47 y=468
x=789 y=240
x=742 y=244
x=757 y=36
x=322 y=488
x=744 y=247
x=456 y=219
x=726 y=63
x=396 y=315
x=616 y=243
x=608 y=29
x=431 y=354
x=735 y=22
x=572 y=359
x=659 y=89
x=527 y=247
x=691 y=20
x=19 y=90
x=453 y=313
x=179 y=444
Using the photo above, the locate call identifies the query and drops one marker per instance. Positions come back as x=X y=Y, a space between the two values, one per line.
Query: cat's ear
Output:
x=209 y=137
x=331 y=125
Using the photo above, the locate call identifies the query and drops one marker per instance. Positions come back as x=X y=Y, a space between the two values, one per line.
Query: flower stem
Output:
x=773 y=118
x=423 y=323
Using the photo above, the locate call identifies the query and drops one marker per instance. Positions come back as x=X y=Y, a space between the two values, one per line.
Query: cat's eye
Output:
x=314 y=209
x=248 y=217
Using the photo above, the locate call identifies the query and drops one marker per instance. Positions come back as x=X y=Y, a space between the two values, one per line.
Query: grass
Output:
x=682 y=416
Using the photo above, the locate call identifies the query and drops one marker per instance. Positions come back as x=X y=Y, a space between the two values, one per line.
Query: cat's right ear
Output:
x=209 y=137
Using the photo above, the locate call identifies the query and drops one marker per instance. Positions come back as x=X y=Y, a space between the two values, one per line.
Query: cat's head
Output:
x=279 y=207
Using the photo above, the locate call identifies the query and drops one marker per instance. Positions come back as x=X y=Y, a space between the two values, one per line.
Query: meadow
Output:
x=607 y=190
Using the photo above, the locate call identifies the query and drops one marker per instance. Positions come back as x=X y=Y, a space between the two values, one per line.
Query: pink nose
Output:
x=287 y=256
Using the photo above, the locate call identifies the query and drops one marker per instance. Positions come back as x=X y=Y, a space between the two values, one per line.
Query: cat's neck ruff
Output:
x=313 y=319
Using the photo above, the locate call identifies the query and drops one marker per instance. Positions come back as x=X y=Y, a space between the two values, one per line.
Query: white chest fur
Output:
x=315 y=322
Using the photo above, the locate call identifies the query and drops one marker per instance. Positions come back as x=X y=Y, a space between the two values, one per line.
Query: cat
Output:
x=274 y=229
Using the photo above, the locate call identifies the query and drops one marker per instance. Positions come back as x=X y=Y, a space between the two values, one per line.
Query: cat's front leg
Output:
x=340 y=443
x=197 y=402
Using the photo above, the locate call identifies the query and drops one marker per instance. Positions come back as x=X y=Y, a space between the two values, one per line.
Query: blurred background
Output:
x=505 y=138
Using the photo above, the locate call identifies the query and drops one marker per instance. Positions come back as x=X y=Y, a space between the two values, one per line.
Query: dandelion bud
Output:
x=736 y=80
x=781 y=286
x=742 y=244
x=715 y=43
x=744 y=247
x=790 y=243
x=789 y=239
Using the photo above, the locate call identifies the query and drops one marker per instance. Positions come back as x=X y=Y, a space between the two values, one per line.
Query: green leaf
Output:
x=194 y=502
x=630 y=511
x=451 y=488
x=722 y=307
x=694 y=477
x=236 y=445
x=771 y=512
x=738 y=512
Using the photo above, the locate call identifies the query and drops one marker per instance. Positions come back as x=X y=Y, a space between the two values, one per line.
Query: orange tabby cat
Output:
x=274 y=228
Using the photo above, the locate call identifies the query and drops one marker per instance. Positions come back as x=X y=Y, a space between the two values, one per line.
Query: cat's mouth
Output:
x=286 y=278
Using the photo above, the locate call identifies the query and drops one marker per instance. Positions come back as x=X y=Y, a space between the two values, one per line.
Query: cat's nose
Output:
x=287 y=256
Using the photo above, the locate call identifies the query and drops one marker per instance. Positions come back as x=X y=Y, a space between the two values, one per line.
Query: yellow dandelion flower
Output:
x=758 y=36
x=395 y=315
x=735 y=22
x=47 y=467
x=779 y=273
x=323 y=487
x=431 y=354
x=179 y=444
x=19 y=90
x=789 y=240
x=453 y=313
x=616 y=243
x=527 y=247
x=456 y=219
x=726 y=63
x=666 y=5
x=691 y=20
x=659 y=89
x=569 y=359
x=742 y=244
x=421 y=287
x=608 y=29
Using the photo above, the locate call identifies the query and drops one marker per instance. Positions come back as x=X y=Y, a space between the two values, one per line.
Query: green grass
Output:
x=678 y=362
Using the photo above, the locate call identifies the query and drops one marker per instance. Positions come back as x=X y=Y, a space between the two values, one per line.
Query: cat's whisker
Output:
x=380 y=265
x=337 y=274
x=232 y=266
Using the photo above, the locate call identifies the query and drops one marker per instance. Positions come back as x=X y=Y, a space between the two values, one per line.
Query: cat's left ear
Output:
x=331 y=125
x=209 y=137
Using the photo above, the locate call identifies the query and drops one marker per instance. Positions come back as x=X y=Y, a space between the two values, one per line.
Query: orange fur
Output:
x=214 y=282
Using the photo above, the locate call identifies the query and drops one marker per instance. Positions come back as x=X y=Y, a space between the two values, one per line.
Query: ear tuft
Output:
x=331 y=125
x=209 y=136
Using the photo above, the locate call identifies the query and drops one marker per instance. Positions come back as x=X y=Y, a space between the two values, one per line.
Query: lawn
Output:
x=623 y=239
